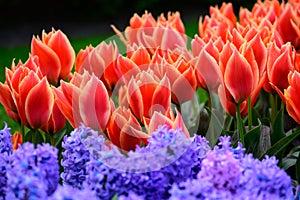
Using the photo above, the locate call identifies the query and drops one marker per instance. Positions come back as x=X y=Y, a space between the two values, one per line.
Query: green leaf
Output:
x=202 y=95
x=215 y=128
x=298 y=169
x=281 y=144
x=115 y=197
x=278 y=128
x=252 y=140
x=59 y=136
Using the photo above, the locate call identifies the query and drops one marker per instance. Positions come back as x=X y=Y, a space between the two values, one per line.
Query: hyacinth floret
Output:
x=30 y=176
x=5 y=140
x=75 y=157
x=226 y=174
x=5 y=152
x=67 y=192
x=169 y=157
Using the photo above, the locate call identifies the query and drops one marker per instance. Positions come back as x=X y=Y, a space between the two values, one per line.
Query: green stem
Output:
x=249 y=114
x=273 y=103
x=22 y=131
x=240 y=126
x=52 y=139
x=33 y=137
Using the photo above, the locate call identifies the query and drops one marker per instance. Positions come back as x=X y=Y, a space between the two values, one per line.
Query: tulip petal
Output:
x=61 y=45
x=158 y=119
x=49 y=62
x=64 y=105
x=238 y=77
x=94 y=104
x=161 y=99
x=39 y=104
x=135 y=98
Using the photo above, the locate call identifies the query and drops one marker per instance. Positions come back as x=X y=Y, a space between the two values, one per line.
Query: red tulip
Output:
x=84 y=100
x=289 y=24
x=16 y=139
x=147 y=93
x=242 y=76
x=55 y=53
x=124 y=130
x=206 y=58
x=280 y=62
x=56 y=122
x=218 y=23
x=101 y=61
x=291 y=96
x=31 y=94
x=146 y=31
x=170 y=120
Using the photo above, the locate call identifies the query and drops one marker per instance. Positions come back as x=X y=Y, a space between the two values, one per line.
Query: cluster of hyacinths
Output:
x=171 y=166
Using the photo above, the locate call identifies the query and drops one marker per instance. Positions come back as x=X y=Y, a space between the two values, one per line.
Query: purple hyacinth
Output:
x=33 y=173
x=263 y=178
x=5 y=140
x=169 y=157
x=4 y=159
x=77 y=149
x=67 y=192
x=228 y=174
x=130 y=196
x=5 y=152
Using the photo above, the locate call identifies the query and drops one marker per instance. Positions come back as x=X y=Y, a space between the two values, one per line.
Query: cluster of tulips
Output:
x=126 y=95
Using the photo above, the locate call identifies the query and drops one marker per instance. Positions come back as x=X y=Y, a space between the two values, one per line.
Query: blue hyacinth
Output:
x=170 y=157
x=33 y=172
x=228 y=174
x=77 y=151
x=5 y=152
x=67 y=192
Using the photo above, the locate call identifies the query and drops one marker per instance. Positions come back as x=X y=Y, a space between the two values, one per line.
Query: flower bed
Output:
x=153 y=114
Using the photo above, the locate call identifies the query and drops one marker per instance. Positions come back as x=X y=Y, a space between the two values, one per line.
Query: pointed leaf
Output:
x=281 y=144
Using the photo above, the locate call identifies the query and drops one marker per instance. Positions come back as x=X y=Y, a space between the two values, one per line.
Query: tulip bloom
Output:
x=221 y=21
x=84 y=99
x=147 y=93
x=31 y=93
x=146 y=31
x=56 y=122
x=56 y=55
x=124 y=130
x=101 y=61
x=289 y=24
x=16 y=139
x=206 y=59
x=242 y=76
x=291 y=96
x=280 y=62
x=170 y=120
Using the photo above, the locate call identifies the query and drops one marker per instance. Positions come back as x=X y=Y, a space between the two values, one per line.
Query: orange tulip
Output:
x=242 y=76
x=289 y=24
x=84 y=99
x=101 y=61
x=146 y=31
x=16 y=139
x=147 y=93
x=124 y=130
x=55 y=53
x=261 y=10
x=170 y=120
x=220 y=21
x=206 y=59
x=280 y=62
x=291 y=96
x=30 y=92
x=56 y=122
